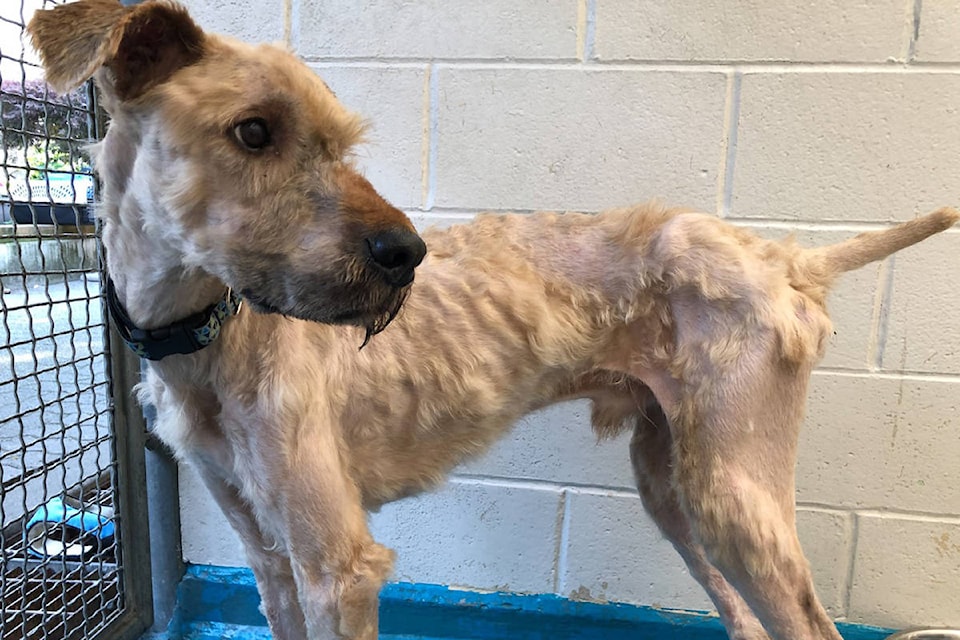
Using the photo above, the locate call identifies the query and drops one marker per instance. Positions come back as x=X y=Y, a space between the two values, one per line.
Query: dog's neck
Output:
x=154 y=288
x=152 y=281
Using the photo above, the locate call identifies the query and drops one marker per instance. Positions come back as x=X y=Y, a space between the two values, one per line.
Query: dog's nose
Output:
x=397 y=253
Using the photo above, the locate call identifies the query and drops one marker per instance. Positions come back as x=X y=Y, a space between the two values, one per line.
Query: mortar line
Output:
x=432 y=117
x=731 y=132
x=622 y=492
x=885 y=511
x=916 y=516
x=536 y=484
x=881 y=313
x=853 y=226
x=431 y=217
x=851 y=563
x=822 y=507
x=291 y=14
x=425 y=124
x=561 y=563
x=708 y=66
x=914 y=31
x=425 y=141
x=372 y=64
x=909 y=376
x=590 y=31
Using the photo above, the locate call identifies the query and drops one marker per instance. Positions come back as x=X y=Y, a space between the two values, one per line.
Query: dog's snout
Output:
x=397 y=253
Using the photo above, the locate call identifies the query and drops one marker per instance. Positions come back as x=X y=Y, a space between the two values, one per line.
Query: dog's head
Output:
x=235 y=160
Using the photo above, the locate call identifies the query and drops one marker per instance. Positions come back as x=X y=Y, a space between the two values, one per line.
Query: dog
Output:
x=249 y=261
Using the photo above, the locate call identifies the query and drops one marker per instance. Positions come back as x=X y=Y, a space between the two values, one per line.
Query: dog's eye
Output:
x=253 y=133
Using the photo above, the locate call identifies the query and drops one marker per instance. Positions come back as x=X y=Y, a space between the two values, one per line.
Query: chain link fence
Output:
x=66 y=573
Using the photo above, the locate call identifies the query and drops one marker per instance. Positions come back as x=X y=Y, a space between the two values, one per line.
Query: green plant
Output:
x=49 y=127
x=53 y=156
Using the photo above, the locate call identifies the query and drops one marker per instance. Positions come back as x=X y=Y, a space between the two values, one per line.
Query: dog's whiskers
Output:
x=382 y=321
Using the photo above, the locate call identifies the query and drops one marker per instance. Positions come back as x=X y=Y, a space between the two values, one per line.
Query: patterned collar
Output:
x=185 y=336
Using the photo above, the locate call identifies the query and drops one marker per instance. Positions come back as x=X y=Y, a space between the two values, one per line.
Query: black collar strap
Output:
x=186 y=336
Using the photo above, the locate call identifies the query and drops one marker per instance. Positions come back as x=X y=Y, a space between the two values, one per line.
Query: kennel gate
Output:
x=73 y=514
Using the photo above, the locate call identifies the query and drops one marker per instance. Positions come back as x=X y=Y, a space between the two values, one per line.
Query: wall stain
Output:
x=946 y=548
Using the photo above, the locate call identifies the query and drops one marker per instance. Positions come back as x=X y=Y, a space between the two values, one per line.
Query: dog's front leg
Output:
x=338 y=567
x=278 y=591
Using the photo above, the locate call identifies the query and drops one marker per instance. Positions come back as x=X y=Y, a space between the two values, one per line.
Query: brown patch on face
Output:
x=362 y=205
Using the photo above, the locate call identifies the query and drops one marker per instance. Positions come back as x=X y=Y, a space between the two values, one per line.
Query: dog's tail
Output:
x=870 y=246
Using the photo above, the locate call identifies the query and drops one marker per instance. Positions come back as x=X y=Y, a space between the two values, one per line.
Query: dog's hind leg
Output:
x=278 y=591
x=744 y=517
x=735 y=425
x=651 y=452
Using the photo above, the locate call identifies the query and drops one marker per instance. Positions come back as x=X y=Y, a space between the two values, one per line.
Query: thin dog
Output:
x=226 y=171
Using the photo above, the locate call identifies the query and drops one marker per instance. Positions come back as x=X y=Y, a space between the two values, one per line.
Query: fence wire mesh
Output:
x=59 y=539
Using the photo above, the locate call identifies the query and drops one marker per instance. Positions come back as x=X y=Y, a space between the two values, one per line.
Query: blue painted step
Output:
x=220 y=631
x=222 y=603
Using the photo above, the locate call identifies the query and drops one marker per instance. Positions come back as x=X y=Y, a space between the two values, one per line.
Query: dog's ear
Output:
x=139 y=46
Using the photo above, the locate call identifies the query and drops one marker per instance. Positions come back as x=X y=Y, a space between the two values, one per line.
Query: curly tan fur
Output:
x=698 y=336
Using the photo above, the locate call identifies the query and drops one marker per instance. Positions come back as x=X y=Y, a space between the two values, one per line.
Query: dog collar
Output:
x=189 y=335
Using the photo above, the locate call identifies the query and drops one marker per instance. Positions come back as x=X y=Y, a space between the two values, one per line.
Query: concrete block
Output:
x=252 y=22
x=906 y=572
x=393 y=102
x=937 y=38
x=827 y=541
x=205 y=534
x=437 y=29
x=615 y=552
x=923 y=325
x=873 y=442
x=561 y=138
x=484 y=536
x=558 y=445
x=846 y=146
x=746 y=30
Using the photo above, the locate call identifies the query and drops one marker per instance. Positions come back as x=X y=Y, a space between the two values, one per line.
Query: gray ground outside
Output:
x=54 y=395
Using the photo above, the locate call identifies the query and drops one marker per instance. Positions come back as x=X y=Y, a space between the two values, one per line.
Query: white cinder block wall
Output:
x=821 y=118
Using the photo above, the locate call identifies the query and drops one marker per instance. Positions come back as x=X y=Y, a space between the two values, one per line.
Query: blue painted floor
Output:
x=217 y=603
